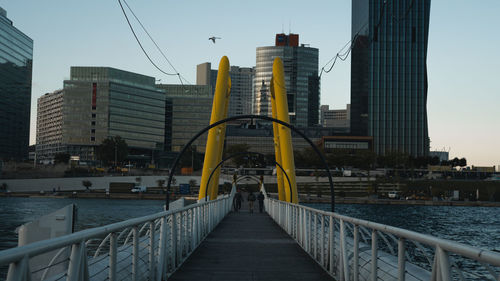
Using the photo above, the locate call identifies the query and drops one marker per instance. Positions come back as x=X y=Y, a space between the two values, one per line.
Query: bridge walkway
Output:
x=249 y=246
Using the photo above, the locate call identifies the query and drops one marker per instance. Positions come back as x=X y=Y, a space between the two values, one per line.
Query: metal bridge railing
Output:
x=354 y=249
x=145 y=248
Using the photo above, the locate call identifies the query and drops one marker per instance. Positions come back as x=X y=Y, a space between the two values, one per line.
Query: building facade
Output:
x=16 y=60
x=389 y=74
x=240 y=101
x=301 y=79
x=188 y=110
x=335 y=118
x=49 y=126
x=102 y=102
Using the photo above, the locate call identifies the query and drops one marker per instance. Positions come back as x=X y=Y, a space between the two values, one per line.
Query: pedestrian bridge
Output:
x=206 y=241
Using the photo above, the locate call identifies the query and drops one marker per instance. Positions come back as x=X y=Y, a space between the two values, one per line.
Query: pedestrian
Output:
x=237 y=201
x=251 y=199
x=260 y=197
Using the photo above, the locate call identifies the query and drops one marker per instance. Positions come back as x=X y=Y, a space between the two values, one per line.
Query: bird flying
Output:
x=213 y=38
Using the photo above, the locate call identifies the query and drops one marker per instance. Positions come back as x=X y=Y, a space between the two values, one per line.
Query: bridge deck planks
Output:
x=247 y=246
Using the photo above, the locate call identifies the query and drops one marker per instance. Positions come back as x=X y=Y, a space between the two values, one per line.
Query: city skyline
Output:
x=462 y=95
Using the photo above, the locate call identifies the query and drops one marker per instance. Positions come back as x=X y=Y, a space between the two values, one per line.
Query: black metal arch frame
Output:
x=188 y=144
x=245 y=153
x=248 y=177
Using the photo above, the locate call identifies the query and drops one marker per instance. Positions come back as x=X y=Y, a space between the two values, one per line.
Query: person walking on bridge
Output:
x=237 y=201
x=260 y=197
x=251 y=199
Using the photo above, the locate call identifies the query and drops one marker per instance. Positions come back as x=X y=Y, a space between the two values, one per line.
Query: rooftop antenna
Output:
x=290 y=27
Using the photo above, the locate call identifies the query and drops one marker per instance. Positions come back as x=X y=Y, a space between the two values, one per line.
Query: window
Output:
x=93 y=115
x=93 y=123
x=92 y=131
x=92 y=138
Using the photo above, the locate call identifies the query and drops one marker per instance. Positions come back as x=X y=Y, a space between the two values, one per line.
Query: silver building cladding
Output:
x=389 y=74
x=16 y=60
x=301 y=79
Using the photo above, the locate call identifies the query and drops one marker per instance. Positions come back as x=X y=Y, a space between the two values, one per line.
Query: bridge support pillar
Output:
x=215 y=140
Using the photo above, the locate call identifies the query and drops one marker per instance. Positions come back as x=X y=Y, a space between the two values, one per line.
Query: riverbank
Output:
x=303 y=199
x=365 y=201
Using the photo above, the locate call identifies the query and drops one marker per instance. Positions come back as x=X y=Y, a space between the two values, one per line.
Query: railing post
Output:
x=181 y=235
x=309 y=231
x=374 y=255
x=443 y=264
x=174 y=240
x=401 y=259
x=331 y=237
x=355 y=264
x=135 y=253
x=322 y=244
x=112 y=257
x=20 y=270
x=161 y=265
x=315 y=249
x=343 y=247
x=151 y=249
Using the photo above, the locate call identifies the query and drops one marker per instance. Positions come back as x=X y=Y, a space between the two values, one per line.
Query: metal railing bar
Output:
x=49 y=266
x=39 y=247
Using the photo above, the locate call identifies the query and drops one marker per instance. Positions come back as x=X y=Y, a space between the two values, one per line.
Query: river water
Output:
x=475 y=226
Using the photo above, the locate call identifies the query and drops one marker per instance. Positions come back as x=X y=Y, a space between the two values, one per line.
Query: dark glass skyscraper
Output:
x=16 y=59
x=389 y=74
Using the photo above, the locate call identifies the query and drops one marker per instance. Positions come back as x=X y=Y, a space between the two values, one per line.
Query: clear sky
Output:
x=463 y=53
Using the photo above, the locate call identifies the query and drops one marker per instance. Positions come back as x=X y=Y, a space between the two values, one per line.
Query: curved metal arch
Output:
x=247 y=177
x=322 y=158
x=245 y=153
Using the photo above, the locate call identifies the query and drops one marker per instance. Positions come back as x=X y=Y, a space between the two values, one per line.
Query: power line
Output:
x=154 y=42
x=350 y=43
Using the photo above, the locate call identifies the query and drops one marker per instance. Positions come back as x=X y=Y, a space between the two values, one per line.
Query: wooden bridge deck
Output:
x=246 y=246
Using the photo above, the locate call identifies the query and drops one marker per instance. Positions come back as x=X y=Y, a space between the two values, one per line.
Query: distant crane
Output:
x=213 y=38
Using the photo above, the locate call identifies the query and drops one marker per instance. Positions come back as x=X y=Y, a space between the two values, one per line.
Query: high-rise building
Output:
x=49 y=126
x=335 y=118
x=16 y=60
x=240 y=101
x=389 y=74
x=97 y=103
x=301 y=79
x=188 y=110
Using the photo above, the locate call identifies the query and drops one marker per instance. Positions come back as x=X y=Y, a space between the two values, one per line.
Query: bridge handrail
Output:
x=299 y=221
x=218 y=208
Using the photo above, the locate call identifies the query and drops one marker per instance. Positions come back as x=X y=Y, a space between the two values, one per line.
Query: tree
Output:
x=192 y=182
x=87 y=184
x=232 y=149
x=191 y=158
x=61 y=158
x=112 y=150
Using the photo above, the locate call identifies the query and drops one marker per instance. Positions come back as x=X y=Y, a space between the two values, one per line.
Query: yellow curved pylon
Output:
x=277 y=151
x=285 y=136
x=214 y=184
x=215 y=140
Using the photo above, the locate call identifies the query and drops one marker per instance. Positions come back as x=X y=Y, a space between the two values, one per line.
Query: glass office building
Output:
x=389 y=74
x=301 y=79
x=16 y=60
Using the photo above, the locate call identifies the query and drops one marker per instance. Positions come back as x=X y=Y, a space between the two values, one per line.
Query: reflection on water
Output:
x=475 y=226
x=91 y=213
